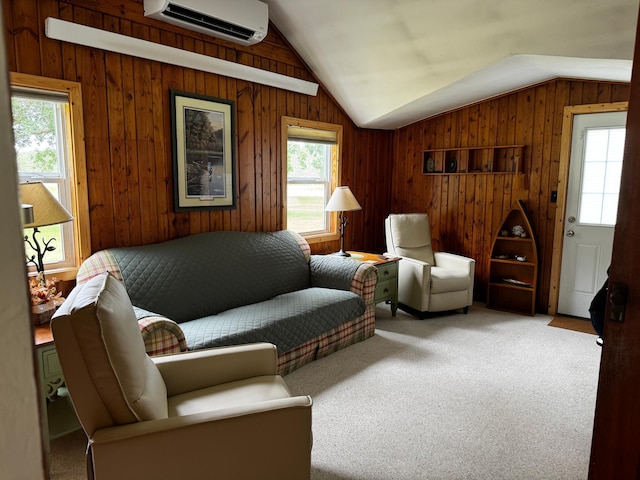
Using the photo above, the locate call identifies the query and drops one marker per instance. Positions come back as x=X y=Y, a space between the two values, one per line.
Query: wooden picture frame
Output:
x=203 y=143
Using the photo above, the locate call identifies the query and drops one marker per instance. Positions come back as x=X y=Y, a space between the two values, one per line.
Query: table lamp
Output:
x=47 y=210
x=342 y=201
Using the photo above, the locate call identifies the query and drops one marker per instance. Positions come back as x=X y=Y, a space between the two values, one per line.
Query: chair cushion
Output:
x=445 y=280
x=106 y=329
x=409 y=235
x=282 y=321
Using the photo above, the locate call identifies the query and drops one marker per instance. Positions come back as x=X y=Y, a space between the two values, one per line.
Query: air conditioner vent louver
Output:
x=241 y=21
x=205 y=21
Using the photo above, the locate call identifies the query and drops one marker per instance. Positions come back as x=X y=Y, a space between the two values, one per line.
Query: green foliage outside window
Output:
x=307 y=174
x=306 y=159
x=34 y=127
x=36 y=143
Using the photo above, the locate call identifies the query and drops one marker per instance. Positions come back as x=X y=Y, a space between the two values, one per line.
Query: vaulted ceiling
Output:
x=390 y=63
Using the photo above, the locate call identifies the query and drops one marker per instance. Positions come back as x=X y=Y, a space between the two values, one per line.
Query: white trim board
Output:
x=113 y=42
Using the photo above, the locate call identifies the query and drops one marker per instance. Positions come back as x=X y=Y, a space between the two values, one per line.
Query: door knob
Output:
x=570 y=233
x=618 y=299
x=571 y=219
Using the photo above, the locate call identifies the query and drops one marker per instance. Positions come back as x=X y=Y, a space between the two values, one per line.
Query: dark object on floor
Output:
x=572 y=323
x=598 y=306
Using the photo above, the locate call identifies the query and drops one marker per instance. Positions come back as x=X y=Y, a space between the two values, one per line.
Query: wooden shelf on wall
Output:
x=513 y=267
x=505 y=159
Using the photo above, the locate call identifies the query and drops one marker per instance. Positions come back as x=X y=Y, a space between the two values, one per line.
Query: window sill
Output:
x=64 y=274
x=321 y=237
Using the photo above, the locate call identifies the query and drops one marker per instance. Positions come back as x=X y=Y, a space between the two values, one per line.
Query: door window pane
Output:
x=601 y=173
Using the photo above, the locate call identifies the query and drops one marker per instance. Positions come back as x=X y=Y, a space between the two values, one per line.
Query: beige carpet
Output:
x=571 y=323
x=488 y=395
x=67 y=457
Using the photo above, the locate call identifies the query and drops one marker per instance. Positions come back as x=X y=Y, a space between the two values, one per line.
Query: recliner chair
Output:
x=428 y=281
x=218 y=413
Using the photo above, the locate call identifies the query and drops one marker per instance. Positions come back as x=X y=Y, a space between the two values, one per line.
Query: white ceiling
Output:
x=390 y=63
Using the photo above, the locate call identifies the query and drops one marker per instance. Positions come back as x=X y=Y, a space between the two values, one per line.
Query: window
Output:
x=603 y=152
x=47 y=122
x=312 y=172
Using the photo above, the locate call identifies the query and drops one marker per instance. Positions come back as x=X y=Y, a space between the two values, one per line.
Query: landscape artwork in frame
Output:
x=203 y=140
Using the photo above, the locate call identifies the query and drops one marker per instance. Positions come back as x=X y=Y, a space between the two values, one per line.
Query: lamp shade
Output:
x=47 y=210
x=342 y=200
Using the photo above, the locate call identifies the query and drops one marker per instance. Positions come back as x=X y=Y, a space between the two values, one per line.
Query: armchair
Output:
x=218 y=413
x=428 y=281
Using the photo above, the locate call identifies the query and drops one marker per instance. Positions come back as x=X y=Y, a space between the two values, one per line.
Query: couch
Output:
x=228 y=288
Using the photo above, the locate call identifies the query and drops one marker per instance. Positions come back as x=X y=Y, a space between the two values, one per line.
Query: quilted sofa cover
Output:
x=226 y=288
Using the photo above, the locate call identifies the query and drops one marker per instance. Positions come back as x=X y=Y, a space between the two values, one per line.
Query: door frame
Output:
x=563 y=186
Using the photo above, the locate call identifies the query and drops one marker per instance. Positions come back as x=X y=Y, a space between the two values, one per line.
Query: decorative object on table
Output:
x=342 y=201
x=203 y=142
x=47 y=210
x=45 y=299
x=430 y=165
x=452 y=165
x=518 y=231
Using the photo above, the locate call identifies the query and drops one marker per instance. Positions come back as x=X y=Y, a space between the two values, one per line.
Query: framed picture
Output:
x=203 y=141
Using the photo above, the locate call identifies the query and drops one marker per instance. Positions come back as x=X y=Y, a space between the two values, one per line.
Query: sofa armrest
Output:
x=364 y=282
x=161 y=336
x=455 y=262
x=341 y=273
x=331 y=271
x=185 y=372
x=99 y=262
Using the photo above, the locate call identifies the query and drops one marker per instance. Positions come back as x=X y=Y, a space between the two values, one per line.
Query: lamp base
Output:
x=342 y=253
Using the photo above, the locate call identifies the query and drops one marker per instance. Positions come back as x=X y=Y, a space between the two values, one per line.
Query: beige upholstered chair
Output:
x=428 y=281
x=219 y=413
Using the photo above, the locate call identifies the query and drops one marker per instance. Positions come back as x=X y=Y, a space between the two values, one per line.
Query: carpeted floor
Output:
x=67 y=457
x=488 y=395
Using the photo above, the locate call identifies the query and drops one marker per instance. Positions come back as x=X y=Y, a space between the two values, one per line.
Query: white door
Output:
x=592 y=202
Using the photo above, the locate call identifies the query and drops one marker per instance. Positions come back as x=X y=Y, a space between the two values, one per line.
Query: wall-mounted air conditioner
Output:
x=240 y=21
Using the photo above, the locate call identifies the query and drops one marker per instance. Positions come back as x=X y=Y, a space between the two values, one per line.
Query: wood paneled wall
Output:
x=466 y=210
x=128 y=135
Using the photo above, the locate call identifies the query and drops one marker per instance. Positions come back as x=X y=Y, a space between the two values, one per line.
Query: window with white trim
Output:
x=40 y=125
x=312 y=173
x=48 y=138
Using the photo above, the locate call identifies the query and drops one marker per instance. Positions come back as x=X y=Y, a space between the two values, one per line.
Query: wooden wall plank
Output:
x=117 y=148
x=90 y=69
x=26 y=28
x=7 y=15
x=49 y=49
